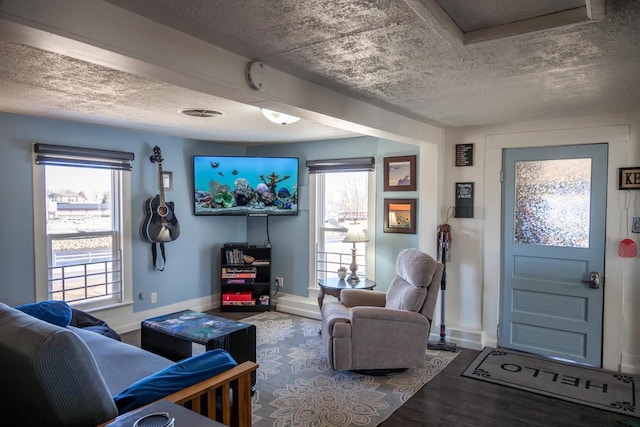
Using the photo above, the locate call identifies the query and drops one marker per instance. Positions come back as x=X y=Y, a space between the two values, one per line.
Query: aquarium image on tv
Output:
x=227 y=185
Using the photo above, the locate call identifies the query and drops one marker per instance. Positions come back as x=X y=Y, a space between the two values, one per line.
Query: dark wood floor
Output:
x=452 y=400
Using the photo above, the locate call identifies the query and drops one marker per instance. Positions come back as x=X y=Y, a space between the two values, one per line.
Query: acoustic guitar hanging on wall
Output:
x=160 y=224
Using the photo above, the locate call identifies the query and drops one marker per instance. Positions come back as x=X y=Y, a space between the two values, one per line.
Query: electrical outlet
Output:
x=154 y=297
x=280 y=282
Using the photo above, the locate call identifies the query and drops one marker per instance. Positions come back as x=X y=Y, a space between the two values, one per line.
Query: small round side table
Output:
x=333 y=285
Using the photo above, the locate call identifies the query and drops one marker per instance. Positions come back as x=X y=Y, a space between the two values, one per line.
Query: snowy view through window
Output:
x=345 y=199
x=82 y=235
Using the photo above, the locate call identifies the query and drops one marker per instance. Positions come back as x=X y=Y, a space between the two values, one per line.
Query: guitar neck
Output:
x=160 y=185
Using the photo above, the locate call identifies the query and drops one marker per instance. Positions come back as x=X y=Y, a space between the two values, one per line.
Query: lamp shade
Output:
x=279 y=118
x=355 y=234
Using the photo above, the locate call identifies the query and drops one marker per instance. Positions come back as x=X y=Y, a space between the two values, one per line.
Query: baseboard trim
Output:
x=300 y=306
x=630 y=364
x=124 y=319
x=473 y=340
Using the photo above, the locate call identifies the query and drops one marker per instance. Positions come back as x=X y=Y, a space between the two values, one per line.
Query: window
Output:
x=83 y=239
x=79 y=212
x=343 y=198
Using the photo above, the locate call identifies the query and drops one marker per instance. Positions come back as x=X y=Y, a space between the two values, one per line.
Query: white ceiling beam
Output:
x=541 y=23
x=97 y=32
x=430 y=12
x=596 y=9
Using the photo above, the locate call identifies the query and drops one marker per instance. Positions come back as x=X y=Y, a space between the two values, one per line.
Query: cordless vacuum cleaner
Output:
x=444 y=240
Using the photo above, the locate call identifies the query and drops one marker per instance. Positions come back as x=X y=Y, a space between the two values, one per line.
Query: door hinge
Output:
x=501 y=176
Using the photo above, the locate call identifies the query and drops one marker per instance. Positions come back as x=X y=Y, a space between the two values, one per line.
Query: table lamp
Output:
x=355 y=234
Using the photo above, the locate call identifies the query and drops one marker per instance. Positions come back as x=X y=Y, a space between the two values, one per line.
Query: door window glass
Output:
x=553 y=199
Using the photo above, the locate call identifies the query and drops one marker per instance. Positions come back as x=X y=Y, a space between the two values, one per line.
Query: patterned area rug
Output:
x=612 y=391
x=296 y=387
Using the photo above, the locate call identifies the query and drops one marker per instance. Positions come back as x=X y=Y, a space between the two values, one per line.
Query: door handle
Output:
x=594 y=280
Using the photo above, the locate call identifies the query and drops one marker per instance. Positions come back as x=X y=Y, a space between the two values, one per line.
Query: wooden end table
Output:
x=334 y=285
x=182 y=415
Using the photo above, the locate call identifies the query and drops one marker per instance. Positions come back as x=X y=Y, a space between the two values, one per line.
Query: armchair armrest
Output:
x=362 y=297
x=388 y=315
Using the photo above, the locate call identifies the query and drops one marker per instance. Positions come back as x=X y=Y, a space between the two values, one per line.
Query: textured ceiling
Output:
x=44 y=83
x=384 y=52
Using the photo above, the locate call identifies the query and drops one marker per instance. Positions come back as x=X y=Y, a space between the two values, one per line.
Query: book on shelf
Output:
x=237 y=296
x=239 y=270
x=260 y=262
x=238 y=275
x=240 y=303
x=234 y=256
x=240 y=281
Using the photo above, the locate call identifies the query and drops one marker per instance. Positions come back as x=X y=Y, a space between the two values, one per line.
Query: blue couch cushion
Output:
x=55 y=312
x=183 y=374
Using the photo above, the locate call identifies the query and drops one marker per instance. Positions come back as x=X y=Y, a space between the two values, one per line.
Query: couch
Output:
x=67 y=376
x=370 y=330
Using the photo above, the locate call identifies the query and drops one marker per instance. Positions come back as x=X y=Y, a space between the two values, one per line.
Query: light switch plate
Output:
x=635 y=225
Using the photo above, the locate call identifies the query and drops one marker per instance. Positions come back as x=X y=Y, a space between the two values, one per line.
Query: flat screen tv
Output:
x=226 y=185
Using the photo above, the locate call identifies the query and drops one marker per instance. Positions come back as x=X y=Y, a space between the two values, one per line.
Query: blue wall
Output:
x=193 y=259
x=290 y=236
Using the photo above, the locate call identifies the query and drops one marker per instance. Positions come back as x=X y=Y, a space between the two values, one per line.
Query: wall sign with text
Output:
x=464 y=154
x=629 y=178
x=464 y=200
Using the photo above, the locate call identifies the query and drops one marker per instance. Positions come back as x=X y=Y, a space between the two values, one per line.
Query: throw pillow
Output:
x=56 y=312
x=183 y=374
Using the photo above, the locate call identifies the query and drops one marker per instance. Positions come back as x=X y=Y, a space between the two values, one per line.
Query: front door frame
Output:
x=617 y=138
x=536 y=329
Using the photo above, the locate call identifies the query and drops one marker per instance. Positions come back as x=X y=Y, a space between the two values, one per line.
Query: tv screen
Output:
x=226 y=185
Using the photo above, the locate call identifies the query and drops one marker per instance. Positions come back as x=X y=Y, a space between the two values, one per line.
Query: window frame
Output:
x=121 y=185
x=316 y=209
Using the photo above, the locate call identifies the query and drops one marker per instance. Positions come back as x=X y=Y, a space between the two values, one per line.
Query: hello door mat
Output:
x=612 y=391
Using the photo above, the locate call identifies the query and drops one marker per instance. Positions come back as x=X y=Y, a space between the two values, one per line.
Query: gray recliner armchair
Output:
x=372 y=330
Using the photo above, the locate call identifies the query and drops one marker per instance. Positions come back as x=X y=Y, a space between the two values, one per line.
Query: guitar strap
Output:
x=154 y=253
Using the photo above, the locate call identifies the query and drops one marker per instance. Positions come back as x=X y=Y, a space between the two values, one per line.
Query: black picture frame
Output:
x=464 y=155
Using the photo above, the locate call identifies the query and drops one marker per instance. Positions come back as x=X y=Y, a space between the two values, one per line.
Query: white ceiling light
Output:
x=279 y=118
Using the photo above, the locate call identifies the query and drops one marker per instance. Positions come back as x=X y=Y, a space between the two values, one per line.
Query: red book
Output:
x=237 y=296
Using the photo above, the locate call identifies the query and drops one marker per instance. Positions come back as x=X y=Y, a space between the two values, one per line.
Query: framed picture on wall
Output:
x=400 y=216
x=167 y=181
x=400 y=173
